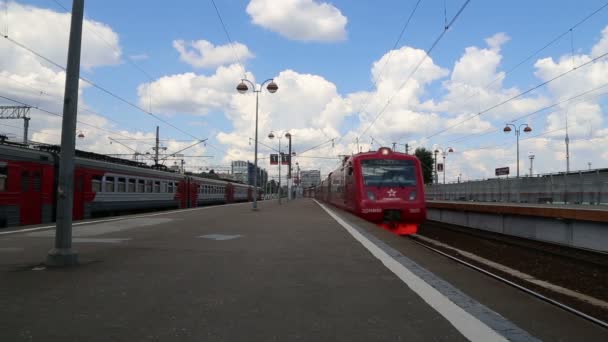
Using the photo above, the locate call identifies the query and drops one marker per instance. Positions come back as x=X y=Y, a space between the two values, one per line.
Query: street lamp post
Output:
x=527 y=129
x=280 y=136
x=243 y=88
x=289 y=181
x=444 y=154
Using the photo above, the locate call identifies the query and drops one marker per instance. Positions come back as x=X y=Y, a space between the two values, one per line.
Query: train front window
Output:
x=388 y=172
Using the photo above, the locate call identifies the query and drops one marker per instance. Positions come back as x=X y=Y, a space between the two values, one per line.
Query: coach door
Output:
x=31 y=196
x=78 y=208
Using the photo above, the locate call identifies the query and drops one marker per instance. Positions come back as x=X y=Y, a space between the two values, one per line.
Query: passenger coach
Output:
x=103 y=186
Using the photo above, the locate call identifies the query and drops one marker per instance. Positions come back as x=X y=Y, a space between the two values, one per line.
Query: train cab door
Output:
x=78 y=207
x=31 y=196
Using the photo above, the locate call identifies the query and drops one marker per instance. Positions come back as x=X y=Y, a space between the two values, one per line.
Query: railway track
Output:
x=504 y=280
x=561 y=251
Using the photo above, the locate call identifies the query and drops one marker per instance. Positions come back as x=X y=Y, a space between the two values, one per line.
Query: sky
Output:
x=351 y=74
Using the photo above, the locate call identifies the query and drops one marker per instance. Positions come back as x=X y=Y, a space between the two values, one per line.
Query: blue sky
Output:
x=149 y=28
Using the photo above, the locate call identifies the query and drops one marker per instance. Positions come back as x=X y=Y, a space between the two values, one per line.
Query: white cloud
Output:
x=203 y=54
x=306 y=20
x=192 y=93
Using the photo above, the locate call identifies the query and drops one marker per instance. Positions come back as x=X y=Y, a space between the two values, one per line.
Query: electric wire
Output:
x=519 y=95
x=103 y=89
x=415 y=69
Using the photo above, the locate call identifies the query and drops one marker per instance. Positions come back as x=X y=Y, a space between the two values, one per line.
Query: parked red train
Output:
x=384 y=187
x=102 y=186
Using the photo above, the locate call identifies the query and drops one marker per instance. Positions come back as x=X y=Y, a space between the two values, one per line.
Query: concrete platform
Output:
x=226 y=273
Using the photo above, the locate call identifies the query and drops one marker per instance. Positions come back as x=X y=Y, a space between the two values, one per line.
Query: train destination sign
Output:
x=502 y=171
x=274 y=159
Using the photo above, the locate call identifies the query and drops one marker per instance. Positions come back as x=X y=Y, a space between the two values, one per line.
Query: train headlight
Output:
x=371 y=196
x=413 y=195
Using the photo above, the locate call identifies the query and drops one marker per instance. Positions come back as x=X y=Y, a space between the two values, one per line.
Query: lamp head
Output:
x=507 y=129
x=272 y=87
x=242 y=87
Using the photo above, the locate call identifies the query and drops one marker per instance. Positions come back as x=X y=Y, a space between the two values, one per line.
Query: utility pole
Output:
x=17 y=112
x=394 y=145
x=567 y=141
x=62 y=254
x=289 y=181
x=407 y=148
x=156 y=148
x=531 y=156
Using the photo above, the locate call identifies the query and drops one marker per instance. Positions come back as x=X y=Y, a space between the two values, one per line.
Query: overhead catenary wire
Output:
x=533 y=113
x=365 y=103
x=544 y=47
x=236 y=55
x=103 y=89
x=519 y=95
x=415 y=69
x=59 y=115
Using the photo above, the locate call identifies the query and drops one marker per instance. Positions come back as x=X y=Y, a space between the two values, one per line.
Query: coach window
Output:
x=170 y=187
x=163 y=187
x=131 y=187
x=157 y=186
x=96 y=184
x=148 y=186
x=109 y=184
x=3 y=178
x=122 y=185
x=140 y=185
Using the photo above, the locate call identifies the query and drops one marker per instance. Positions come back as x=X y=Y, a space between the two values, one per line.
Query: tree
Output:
x=426 y=160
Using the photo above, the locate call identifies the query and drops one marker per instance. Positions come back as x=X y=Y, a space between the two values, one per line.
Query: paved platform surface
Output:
x=284 y=273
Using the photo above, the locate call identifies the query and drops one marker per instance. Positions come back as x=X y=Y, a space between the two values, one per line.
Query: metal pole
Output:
x=436 y=175
x=156 y=148
x=444 y=168
x=62 y=254
x=255 y=173
x=517 y=134
x=26 y=126
x=407 y=149
x=289 y=170
x=280 y=162
x=394 y=144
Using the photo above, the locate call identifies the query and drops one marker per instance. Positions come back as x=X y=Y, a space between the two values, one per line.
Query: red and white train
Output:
x=383 y=187
x=102 y=186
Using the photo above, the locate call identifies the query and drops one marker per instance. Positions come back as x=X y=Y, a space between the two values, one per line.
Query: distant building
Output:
x=310 y=178
x=238 y=169
x=243 y=171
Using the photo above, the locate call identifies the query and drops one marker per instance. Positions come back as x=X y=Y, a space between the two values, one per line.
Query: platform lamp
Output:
x=444 y=154
x=243 y=88
x=527 y=129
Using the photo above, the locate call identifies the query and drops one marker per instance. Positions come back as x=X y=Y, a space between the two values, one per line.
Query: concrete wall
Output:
x=579 y=234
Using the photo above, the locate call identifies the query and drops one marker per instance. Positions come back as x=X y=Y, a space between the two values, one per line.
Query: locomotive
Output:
x=103 y=186
x=383 y=186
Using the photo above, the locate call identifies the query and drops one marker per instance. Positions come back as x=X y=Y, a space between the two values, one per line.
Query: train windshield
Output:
x=388 y=172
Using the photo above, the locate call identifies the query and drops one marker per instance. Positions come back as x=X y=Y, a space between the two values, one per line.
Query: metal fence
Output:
x=583 y=187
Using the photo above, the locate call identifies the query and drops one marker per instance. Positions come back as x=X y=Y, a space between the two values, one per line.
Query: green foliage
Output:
x=426 y=160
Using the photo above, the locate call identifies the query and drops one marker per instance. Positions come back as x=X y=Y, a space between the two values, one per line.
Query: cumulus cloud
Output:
x=305 y=20
x=28 y=79
x=192 y=93
x=312 y=109
x=203 y=54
